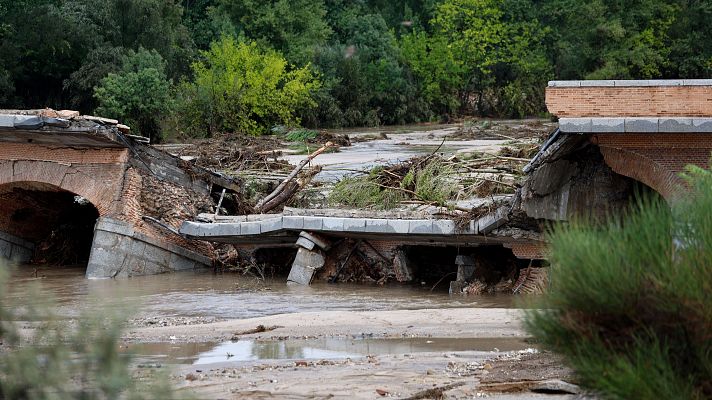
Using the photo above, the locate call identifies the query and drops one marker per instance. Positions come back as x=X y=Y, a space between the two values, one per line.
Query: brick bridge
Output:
x=646 y=130
x=82 y=177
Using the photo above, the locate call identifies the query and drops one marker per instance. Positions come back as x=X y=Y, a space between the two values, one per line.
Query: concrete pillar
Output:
x=465 y=270
x=119 y=251
x=402 y=267
x=309 y=259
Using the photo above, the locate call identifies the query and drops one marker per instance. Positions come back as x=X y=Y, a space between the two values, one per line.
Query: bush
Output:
x=241 y=88
x=629 y=304
x=54 y=362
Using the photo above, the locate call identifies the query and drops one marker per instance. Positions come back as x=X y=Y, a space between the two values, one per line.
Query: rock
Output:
x=555 y=386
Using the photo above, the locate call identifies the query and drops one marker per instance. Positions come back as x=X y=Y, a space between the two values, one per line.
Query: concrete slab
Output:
x=333 y=224
x=378 y=226
x=354 y=224
x=290 y=222
x=444 y=227
x=398 y=225
x=313 y=223
x=271 y=225
x=420 y=226
x=305 y=243
x=641 y=125
x=575 y=125
x=607 y=125
x=250 y=228
x=702 y=125
x=675 y=125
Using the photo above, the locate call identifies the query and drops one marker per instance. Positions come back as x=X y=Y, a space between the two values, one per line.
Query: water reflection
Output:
x=327 y=348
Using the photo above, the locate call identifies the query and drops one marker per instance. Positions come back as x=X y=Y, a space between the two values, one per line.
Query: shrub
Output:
x=239 y=87
x=629 y=304
x=54 y=362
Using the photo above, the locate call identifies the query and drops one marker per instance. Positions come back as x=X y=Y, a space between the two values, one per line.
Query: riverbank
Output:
x=444 y=372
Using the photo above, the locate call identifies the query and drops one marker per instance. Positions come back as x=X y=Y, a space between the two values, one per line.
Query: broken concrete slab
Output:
x=305 y=265
x=319 y=240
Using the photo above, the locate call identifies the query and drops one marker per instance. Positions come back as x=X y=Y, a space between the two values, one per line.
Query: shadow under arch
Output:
x=45 y=224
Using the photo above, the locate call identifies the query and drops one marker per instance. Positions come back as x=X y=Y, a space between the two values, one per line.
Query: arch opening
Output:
x=56 y=225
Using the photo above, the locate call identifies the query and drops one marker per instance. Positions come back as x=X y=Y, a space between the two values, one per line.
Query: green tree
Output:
x=240 y=88
x=292 y=27
x=139 y=94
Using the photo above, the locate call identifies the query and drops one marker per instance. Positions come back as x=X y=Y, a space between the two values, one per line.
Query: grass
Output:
x=427 y=180
x=629 y=304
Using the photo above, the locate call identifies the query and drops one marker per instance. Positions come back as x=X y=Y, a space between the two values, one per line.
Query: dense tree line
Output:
x=200 y=66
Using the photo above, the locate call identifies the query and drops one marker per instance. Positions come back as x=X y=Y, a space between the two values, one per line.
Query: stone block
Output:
x=293 y=222
x=631 y=83
x=305 y=243
x=157 y=255
x=456 y=287
x=354 y=224
x=402 y=267
x=377 y=226
x=271 y=225
x=5 y=249
x=598 y=83
x=250 y=228
x=332 y=224
x=492 y=221
x=675 y=125
x=420 y=226
x=702 y=125
x=575 y=125
x=465 y=271
x=7 y=121
x=180 y=263
x=564 y=83
x=106 y=239
x=444 y=227
x=317 y=239
x=697 y=82
x=301 y=275
x=641 y=125
x=607 y=125
x=313 y=223
x=305 y=265
x=398 y=225
x=115 y=226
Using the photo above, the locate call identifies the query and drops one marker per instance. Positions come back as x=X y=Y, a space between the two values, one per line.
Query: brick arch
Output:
x=98 y=183
x=644 y=169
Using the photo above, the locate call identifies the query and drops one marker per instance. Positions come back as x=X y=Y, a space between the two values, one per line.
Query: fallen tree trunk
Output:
x=284 y=188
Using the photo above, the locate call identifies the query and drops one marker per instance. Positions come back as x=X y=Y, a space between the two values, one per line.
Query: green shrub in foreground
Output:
x=629 y=304
x=52 y=361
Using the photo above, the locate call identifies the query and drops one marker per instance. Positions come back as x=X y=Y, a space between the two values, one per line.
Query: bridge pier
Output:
x=120 y=251
x=14 y=248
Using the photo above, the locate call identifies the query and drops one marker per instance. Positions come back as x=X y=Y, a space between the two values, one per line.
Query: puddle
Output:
x=328 y=348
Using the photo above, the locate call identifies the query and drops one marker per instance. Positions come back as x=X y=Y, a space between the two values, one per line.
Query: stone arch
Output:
x=645 y=170
x=42 y=220
x=100 y=184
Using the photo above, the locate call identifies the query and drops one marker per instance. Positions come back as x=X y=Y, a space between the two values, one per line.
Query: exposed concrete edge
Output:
x=445 y=227
x=123 y=228
x=632 y=83
x=635 y=125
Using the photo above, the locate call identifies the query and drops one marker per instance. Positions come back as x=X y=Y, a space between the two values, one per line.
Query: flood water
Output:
x=225 y=296
x=310 y=349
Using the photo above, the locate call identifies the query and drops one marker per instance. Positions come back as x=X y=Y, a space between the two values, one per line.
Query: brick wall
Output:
x=655 y=159
x=650 y=101
x=528 y=251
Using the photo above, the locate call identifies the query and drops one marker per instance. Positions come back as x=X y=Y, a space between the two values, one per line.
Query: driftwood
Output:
x=289 y=190
x=283 y=186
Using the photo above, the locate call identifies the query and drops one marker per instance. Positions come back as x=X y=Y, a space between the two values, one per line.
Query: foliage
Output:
x=379 y=62
x=138 y=94
x=426 y=180
x=240 y=88
x=301 y=135
x=53 y=361
x=629 y=302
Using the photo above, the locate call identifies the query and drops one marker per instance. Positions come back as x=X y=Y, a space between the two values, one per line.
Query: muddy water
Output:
x=326 y=348
x=210 y=296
